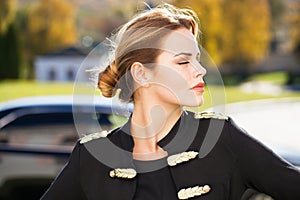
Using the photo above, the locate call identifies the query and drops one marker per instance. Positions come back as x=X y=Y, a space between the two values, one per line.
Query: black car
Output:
x=37 y=135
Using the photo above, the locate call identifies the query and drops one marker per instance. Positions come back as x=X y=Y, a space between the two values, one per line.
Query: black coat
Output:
x=229 y=162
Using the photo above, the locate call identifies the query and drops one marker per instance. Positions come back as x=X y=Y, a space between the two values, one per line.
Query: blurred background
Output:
x=253 y=44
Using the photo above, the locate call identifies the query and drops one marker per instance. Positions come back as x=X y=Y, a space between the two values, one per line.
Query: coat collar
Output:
x=178 y=140
x=119 y=143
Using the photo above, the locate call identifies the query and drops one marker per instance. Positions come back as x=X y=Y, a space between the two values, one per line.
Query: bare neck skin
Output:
x=151 y=121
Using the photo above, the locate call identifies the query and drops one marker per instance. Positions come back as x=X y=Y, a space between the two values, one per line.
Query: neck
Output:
x=151 y=121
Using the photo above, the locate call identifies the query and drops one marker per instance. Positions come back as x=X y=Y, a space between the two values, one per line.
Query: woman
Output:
x=155 y=155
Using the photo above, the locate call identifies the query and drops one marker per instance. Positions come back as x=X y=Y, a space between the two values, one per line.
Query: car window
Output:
x=51 y=128
x=36 y=141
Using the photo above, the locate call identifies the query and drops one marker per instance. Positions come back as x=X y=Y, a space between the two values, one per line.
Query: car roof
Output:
x=60 y=100
x=76 y=104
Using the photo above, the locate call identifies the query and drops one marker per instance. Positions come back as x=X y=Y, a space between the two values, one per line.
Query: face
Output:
x=177 y=77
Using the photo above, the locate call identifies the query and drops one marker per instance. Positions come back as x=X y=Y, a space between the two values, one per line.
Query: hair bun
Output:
x=107 y=80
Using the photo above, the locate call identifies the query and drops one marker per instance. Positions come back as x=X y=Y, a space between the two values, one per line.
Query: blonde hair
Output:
x=137 y=41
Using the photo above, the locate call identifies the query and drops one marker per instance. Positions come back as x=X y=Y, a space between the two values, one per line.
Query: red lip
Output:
x=199 y=87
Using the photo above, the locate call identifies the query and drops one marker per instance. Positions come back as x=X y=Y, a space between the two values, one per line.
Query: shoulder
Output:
x=93 y=136
x=228 y=124
x=206 y=122
x=97 y=135
x=218 y=128
x=117 y=137
x=204 y=127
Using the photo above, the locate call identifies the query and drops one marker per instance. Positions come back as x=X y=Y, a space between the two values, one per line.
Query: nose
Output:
x=199 y=70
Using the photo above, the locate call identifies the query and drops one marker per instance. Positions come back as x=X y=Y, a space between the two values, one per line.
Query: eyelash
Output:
x=184 y=62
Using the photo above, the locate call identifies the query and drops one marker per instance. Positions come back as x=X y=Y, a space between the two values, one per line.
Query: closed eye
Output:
x=184 y=62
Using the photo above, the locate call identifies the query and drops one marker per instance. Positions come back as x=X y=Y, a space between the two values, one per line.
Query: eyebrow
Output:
x=183 y=53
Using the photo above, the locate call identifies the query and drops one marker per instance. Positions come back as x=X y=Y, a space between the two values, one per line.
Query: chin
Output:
x=196 y=103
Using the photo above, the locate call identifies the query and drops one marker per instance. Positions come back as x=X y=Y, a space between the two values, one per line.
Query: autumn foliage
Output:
x=233 y=31
x=51 y=25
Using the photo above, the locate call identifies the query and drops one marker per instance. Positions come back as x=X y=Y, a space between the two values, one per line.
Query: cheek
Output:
x=172 y=79
x=174 y=86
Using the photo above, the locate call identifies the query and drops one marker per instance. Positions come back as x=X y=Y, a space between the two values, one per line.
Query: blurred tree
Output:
x=246 y=31
x=210 y=15
x=277 y=8
x=7 y=13
x=278 y=25
x=293 y=19
x=234 y=31
x=21 y=24
x=10 y=53
x=99 y=21
x=50 y=26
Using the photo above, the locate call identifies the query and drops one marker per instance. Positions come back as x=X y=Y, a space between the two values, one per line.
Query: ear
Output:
x=139 y=73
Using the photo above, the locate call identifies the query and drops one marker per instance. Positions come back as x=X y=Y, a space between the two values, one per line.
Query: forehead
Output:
x=181 y=40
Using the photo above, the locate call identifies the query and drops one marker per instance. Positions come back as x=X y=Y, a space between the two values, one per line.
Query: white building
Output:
x=64 y=65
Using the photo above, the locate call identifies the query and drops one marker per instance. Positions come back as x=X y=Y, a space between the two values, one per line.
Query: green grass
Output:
x=213 y=95
x=15 y=89
x=231 y=94
x=12 y=89
x=278 y=77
